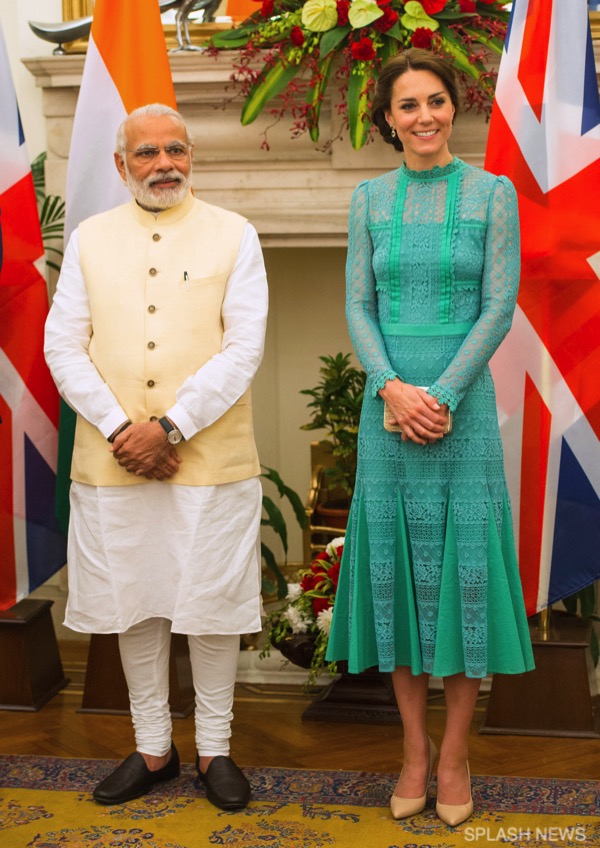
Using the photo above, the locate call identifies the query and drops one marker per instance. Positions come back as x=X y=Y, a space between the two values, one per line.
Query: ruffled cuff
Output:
x=381 y=379
x=444 y=395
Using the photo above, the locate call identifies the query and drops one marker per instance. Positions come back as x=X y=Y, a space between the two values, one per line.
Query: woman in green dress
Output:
x=429 y=581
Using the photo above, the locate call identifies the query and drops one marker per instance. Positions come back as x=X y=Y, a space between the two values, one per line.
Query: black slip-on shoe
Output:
x=133 y=778
x=226 y=785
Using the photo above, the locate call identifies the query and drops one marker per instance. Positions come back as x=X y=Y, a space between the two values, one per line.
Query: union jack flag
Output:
x=31 y=547
x=545 y=136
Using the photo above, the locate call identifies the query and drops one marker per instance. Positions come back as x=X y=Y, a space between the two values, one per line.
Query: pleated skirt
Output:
x=429 y=576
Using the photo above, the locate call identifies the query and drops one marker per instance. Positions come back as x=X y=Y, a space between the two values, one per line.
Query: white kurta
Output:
x=190 y=554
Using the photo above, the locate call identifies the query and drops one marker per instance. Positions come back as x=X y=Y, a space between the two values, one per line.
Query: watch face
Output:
x=174 y=437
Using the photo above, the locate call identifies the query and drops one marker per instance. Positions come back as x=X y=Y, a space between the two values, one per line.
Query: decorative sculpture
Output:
x=66 y=31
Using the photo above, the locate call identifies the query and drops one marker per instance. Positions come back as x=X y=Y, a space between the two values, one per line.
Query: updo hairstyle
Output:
x=413 y=59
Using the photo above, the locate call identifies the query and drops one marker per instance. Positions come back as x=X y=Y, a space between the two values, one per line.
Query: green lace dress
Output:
x=429 y=576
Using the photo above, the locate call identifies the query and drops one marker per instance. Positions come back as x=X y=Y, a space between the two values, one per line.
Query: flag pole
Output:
x=544 y=623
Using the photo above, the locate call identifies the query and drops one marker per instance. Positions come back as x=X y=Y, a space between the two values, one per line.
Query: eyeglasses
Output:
x=175 y=152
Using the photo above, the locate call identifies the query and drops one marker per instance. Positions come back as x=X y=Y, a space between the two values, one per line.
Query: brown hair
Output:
x=413 y=59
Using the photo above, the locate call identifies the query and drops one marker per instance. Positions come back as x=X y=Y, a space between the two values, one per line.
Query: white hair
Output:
x=152 y=110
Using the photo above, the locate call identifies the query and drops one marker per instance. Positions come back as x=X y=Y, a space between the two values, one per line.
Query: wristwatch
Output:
x=174 y=436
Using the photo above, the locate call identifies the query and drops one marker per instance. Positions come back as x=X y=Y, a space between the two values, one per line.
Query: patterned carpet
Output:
x=45 y=802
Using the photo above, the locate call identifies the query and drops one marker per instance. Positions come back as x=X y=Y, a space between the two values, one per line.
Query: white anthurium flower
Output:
x=320 y=15
x=363 y=12
x=415 y=16
x=324 y=620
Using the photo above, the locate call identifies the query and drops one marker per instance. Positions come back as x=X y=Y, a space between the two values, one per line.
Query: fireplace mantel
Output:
x=296 y=194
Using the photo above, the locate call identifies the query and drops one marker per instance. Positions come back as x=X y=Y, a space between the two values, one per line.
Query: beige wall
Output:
x=306 y=320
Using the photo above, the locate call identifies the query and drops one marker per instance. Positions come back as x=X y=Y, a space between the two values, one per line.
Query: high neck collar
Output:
x=165 y=216
x=435 y=173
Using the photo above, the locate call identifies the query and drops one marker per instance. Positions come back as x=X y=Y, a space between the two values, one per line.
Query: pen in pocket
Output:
x=187 y=279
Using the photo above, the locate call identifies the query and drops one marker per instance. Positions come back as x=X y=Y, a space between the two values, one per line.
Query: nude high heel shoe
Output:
x=403 y=807
x=455 y=814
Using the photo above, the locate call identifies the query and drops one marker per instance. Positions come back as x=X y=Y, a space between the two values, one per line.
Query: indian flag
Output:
x=126 y=66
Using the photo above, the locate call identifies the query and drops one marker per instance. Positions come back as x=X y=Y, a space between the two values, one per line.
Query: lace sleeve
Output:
x=498 y=297
x=361 y=295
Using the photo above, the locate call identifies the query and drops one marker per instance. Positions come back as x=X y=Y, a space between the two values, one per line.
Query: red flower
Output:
x=342 y=10
x=334 y=574
x=433 y=6
x=297 y=36
x=267 y=8
x=363 y=49
x=387 y=20
x=320 y=604
x=309 y=581
x=422 y=37
x=467 y=5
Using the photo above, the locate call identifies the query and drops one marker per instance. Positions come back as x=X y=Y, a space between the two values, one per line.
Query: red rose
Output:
x=267 y=8
x=320 y=604
x=363 y=49
x=467 y=5
x=339 y=551
x=422 y=37
x=334 y=574
x=321 y=556
x=342 y=10
x=309 y=581
x=433 y=6
x=297 y=36
x=387 y=20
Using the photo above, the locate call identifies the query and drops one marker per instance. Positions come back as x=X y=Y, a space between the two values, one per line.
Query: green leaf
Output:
x=290 y=494
x=358 y=106
x=269 y=558
x=319 y=15
x=275 y=520
x=330 y=40
x=266 y=88
x=415 y=16
x=460 y=57
x=363 y=12
x=396 y=33
x=314 y=98
x=39 y=176
x=495 y=44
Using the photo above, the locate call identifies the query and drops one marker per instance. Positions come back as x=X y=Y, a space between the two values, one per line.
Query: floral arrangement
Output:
x=300 y=627
x=309 y=42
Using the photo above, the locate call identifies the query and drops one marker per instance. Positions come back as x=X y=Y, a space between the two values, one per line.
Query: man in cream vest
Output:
x=154 y=336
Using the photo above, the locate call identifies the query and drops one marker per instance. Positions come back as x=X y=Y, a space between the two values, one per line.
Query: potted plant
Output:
x=335 y=408
x=299 y=627
x=273 y=579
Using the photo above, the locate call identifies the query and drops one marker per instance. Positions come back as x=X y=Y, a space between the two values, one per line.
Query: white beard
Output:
x=162 y=199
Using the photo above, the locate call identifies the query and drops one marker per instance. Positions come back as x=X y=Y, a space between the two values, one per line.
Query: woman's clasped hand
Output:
x=422 y=419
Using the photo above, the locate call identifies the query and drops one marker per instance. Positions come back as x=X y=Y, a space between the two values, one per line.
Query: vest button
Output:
x=151 y=345
x=152 y=308
x=150 y=383
x=156 y=237
x=153 y=418
x=153 y=272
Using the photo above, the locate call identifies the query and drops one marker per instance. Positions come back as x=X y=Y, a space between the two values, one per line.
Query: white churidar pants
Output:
x=145 y=650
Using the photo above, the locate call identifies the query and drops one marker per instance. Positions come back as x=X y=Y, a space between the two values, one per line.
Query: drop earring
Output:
x=393 y=131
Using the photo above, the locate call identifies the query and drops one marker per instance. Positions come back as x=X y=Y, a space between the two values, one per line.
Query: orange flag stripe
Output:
x=131 y=40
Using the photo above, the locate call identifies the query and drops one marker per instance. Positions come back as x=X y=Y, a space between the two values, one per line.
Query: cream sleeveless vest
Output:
x=156 y=286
